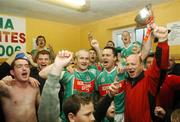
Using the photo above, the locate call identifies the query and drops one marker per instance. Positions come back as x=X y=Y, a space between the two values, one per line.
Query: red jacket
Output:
x=137 y=104
x=166 y=95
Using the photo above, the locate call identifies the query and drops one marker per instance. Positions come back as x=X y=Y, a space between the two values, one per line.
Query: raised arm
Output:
x=160 y=61
x=162 y=50
x=94 y=44
x=146 y=47
x=49 y=108
x=44 y=72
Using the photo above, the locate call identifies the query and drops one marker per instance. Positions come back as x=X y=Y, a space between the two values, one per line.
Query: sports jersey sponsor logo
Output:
x=103 y=89
x=81 y=86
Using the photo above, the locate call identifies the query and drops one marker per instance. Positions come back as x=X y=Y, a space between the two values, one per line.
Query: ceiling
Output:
x=99 y=9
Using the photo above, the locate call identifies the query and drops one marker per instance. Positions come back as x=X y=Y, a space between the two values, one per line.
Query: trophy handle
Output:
x=148 y=32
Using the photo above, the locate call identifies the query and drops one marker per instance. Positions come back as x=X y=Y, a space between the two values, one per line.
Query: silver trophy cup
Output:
x=145 y=16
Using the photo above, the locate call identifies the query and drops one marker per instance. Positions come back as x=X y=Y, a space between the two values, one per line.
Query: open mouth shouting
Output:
x=131 y=73
x=25 y=75
x=105 y=63
x=43 y=66
x=125 y=39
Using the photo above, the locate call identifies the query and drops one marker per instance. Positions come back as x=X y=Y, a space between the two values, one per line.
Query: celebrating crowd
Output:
x=129 y=84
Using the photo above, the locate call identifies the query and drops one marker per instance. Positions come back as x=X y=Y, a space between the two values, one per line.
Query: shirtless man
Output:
x=19 y=98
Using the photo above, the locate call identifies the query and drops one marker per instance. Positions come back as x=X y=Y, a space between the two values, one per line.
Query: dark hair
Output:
x=40 y=37
x=43 y=52
x=93 y=50
x=113 y=50
x=150 y=55
x=111 y=42
x=73 y=103
x=13 y=63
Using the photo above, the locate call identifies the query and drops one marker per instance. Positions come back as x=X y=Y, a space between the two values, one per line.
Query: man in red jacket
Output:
x=141 y=87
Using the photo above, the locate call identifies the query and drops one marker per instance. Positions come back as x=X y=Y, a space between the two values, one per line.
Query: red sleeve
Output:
x=164 y=57
x=173 y=81
x=165 y=97
x=160 y=61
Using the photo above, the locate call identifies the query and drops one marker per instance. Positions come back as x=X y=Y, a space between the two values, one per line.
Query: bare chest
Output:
x=21 y=96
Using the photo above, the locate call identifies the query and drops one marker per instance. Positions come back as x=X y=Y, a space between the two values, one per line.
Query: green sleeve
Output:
x=65 y=77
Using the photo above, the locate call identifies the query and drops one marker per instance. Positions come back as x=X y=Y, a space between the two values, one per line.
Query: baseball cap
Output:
x=21 y=56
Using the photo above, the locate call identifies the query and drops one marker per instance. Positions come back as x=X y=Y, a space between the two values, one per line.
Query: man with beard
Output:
x=19 y=99
x=42 y=59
